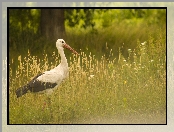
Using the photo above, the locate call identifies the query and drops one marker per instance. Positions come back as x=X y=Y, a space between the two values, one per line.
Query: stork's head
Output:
x=60 y=44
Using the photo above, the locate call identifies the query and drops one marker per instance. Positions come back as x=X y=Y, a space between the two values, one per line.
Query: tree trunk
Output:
x=52 y=23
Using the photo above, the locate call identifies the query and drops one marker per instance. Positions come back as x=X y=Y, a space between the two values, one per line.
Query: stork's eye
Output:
x=62 y=41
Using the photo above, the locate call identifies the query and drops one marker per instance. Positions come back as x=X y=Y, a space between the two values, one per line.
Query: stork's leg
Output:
x=50 y=106
x=48 y=98
x=47 y=103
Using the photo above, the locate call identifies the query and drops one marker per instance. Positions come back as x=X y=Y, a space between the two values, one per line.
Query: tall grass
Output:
x=105 y=90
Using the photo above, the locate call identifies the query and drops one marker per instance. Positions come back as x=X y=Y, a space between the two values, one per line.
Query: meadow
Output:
x=105 y=91
x=101 y=88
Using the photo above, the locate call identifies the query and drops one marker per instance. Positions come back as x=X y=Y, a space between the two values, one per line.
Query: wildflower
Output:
x=143 y=43
x=125 y=82
x=90 y=77
x=129 y=50
x=124 y=99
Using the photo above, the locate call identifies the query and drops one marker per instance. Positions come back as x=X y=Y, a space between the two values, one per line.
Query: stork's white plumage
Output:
x=49 y=80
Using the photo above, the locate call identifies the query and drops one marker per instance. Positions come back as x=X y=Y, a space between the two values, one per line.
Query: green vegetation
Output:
x=108 y=82
x=96 y=28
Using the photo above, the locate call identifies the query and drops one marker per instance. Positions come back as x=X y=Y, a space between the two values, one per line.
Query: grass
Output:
x=121 y=91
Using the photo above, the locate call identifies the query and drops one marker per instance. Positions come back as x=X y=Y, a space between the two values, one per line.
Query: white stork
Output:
x=49 y=80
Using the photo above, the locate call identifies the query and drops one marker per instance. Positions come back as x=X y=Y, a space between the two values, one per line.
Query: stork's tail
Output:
x=22 y=90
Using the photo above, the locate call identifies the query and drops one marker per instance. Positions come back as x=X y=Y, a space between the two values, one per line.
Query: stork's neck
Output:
x=63 y=58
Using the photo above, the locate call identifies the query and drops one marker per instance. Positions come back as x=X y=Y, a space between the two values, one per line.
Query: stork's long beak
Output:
x=71 y=49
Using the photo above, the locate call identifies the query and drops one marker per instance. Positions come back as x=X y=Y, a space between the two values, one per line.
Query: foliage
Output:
x=24 y=25
x=76 y=16
x=23 y=28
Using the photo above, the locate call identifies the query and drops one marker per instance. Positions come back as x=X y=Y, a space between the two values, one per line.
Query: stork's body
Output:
x=49 y=80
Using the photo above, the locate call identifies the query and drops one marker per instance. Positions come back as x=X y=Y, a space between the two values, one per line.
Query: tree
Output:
x=52 y=23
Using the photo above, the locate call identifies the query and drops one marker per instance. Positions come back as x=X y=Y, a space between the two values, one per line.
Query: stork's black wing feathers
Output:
x=37 y=86
x=22 y=90
x=34 y=86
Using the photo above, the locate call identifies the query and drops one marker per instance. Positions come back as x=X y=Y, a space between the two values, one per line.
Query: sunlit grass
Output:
x=97 y=90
